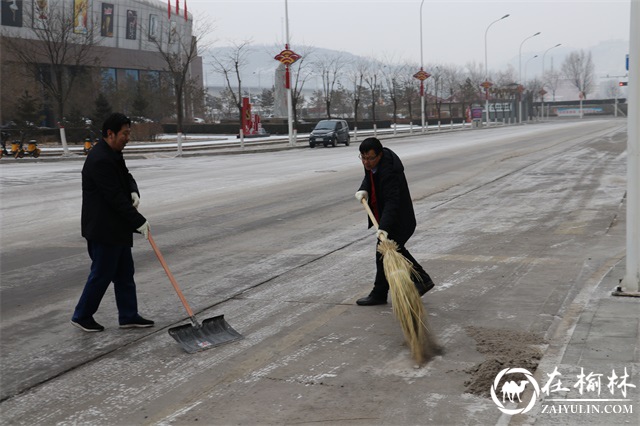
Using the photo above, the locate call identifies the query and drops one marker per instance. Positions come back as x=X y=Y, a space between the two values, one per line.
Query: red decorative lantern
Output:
x=287 y=57
x=422 y=75
x=486 y=85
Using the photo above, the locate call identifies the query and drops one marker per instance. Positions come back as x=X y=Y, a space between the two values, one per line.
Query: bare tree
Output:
x=410 y=92
x=532 y=93
x=552 y=81
x=371 y=78
x=475 y=73
x=230 y=65
x=612 y=89
x=392 y=78
x=436 y=81
x=451 y=81
x=56 y=53
x=578 y=68
x=330 y=68
x=300 y=72
x=181 y=51
x=356 y=77
x=469 y=93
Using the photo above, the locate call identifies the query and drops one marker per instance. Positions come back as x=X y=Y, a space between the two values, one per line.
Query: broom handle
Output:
x=170 y=275
x=371 y=216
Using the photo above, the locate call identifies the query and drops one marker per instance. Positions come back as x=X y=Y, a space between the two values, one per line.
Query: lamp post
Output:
x=543 y=55
x=525 y=67
x=486 y=67
x=631 y=280
x=289 y=100
x=288 y=57
x=421 y=69
x=520 y=75
x=525 y=74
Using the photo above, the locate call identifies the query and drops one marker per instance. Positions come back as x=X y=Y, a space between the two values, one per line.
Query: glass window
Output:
x=132 y=75
x=108 y=76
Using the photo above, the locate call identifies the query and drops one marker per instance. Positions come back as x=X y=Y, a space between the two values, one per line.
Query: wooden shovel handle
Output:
x=170 y=275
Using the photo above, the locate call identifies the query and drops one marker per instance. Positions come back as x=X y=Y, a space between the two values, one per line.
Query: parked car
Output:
x=330 y=132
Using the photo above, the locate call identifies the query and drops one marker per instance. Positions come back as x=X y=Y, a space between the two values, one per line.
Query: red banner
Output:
x=247 y=125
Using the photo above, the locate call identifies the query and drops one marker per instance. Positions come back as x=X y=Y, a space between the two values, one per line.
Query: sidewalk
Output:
x=198 y=145
x=589 y=374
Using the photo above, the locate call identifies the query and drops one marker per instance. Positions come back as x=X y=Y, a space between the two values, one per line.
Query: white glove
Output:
x=362 y=195
x=144 y=230
x=135 y=199
x=382 y=235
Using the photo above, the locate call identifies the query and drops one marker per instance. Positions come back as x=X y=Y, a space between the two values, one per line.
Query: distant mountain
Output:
x=608 y=58
x=261 y=65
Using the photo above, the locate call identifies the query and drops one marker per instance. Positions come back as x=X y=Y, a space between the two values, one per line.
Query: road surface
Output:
x=512 y=223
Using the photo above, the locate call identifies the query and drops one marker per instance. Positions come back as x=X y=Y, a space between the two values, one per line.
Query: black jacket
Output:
x=394 y=200
x=108 y=215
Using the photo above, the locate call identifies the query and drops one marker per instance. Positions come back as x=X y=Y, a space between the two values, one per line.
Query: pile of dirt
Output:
x=502 y=349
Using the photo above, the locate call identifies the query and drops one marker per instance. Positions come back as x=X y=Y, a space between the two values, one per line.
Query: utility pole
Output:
x=630 y=284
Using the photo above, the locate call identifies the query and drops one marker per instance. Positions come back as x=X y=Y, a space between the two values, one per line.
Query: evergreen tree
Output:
x=28 y=110
x=102 y=111
x=139 y=105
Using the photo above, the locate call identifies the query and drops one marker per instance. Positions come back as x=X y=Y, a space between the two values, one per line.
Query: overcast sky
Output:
x=453 y=30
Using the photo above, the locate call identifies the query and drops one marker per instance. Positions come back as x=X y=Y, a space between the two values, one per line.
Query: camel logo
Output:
x=512 y=390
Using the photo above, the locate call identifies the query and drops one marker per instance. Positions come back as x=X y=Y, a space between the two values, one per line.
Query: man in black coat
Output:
x=386 y=190
x=110 y=198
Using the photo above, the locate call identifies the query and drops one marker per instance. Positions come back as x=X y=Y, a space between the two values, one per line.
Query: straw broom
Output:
x=407 y=305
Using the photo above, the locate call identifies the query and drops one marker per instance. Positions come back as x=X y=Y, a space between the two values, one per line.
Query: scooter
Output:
x=16 y=148
x=32 y=149
x=88 y=144
x=18 y=151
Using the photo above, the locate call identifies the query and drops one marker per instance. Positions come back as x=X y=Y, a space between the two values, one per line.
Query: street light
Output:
x=486 y=66
x=525 y=67
x=421 y=69
x=525 y=75
x=259 y=83
x=543 y=55
x=520 y=75
x=289 y=100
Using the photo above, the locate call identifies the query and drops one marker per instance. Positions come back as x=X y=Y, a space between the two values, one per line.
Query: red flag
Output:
x=169 y=9
x=178 y=7
x=186 y=18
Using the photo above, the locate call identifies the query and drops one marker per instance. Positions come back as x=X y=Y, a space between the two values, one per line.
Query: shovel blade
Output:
x=211 y=333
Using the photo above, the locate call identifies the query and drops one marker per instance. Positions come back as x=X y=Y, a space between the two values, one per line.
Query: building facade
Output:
x=127 y=41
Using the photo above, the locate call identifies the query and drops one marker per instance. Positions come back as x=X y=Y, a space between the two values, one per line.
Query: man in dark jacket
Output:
x=386 y=190
x=110 y=198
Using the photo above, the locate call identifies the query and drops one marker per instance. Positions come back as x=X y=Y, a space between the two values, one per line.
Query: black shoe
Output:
x=424 y=287
x=88 y=325
x=371 y=300
x=139 y=322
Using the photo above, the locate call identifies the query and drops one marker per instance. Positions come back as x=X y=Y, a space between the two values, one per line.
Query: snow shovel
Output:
x=196 y=337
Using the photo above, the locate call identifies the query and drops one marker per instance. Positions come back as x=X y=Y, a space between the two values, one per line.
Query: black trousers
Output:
x=381 y=285
x=109 y=263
